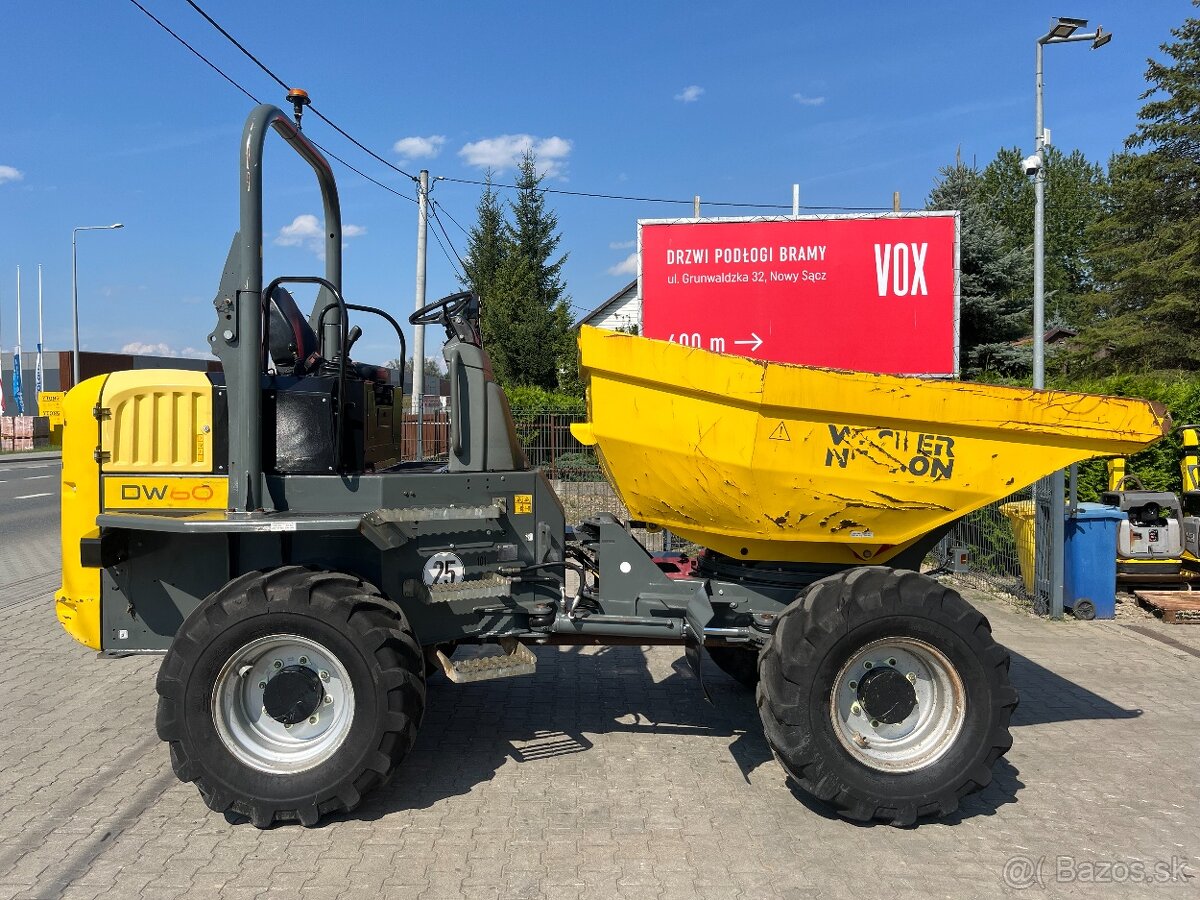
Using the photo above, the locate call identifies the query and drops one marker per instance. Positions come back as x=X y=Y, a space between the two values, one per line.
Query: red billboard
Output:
x=874 y=293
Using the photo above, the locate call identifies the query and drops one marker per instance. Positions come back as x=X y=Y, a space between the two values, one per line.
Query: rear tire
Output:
x=739 y=664
x=342 y=717
x=884 y=695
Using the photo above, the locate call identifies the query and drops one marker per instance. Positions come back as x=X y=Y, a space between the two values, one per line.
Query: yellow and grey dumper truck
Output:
x=261 y=528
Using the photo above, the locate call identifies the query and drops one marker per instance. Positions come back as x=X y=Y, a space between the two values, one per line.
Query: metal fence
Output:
x=435 y=435
x=573 y=469
x=993 y=548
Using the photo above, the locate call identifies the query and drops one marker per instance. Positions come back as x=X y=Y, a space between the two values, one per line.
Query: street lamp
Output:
x=1061 y=32
x=75 y=291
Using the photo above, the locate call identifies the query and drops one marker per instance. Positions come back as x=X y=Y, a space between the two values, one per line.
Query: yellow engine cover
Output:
x=134 y=440
x=157 y=420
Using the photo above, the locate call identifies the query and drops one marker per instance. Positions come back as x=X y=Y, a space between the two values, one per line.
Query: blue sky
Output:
x=107 y=118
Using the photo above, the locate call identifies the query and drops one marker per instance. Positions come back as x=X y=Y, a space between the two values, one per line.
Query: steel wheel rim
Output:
x=926 y=733
x=260 y=741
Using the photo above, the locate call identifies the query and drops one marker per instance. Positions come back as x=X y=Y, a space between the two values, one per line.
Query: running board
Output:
x=516 y=659
x=489 y=587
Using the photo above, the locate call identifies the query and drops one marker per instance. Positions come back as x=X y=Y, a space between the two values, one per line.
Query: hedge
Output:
x=1158 y=465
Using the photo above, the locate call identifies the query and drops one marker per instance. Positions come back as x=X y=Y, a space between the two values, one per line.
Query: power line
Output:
x=254 y=59
x=363 y=174
x=589 y=194
x=453 y=267
x=635 y=199
x=196 y=52
x=456 y=222
x=544 y=190
x=438 y=220
x=204 y=59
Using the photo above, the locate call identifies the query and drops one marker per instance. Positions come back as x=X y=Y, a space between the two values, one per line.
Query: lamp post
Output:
x=75 y=291
x=1063 y=31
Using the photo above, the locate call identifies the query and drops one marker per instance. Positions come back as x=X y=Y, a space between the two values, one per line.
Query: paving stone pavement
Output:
x=605 y=775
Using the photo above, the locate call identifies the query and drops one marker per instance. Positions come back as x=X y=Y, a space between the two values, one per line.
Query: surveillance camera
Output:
x=1031 y=164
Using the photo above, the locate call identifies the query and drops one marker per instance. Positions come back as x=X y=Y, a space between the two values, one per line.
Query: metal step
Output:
x=514 y=658
x=388 y=529
x=488 y=587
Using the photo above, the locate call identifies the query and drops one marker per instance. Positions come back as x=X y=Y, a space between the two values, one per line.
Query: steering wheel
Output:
x=440 y=312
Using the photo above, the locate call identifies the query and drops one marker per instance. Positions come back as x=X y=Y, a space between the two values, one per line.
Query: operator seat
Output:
x=294 y=346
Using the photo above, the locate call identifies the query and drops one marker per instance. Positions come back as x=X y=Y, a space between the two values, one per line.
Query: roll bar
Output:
x=237 y=339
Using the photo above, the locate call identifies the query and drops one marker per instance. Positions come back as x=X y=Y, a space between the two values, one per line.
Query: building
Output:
x=57 y=370
x=621 y=311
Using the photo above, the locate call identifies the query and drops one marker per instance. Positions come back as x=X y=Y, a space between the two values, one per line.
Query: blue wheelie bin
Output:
x=1090 y=564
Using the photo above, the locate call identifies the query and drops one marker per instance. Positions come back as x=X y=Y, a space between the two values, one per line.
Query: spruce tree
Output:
x=1148 y=254
x=487 y=248
x=546 y=358
x=994 y=310
x=525 y=317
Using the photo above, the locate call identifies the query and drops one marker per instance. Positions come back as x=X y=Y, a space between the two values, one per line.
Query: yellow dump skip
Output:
x=769 y=461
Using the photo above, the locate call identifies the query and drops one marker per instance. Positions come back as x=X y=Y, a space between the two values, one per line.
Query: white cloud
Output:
x=305 y=231
x=627 y=266
x=621 y=245
x=303 y=228
x=141 y=348
x=804 y=100
x=8 y=173
x=690 y=94
x=419 y=147
x=505 y=151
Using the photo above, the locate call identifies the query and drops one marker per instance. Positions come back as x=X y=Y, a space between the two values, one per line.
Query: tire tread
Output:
x=376 y=625
x=789 y=662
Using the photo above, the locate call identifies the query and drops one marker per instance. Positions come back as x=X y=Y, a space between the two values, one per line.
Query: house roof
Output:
x=1052 y=336
x=587 y=319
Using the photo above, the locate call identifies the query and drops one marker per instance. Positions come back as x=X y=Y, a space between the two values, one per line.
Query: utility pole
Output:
x=418 y=376
x=795 y=200
x=895 y=201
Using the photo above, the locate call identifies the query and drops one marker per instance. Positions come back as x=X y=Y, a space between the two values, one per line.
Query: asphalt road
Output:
x=29 y=517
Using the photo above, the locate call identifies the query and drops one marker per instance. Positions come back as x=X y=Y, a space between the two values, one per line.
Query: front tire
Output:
x=290 y=694
x=883 y=694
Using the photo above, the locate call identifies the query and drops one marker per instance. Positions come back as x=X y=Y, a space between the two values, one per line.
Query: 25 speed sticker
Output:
x=444 y=568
